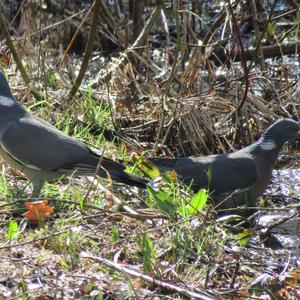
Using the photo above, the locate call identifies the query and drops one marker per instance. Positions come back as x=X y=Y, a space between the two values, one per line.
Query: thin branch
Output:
x=36 y=239
x=88 y=50
x=16 y=57
x=75 y=35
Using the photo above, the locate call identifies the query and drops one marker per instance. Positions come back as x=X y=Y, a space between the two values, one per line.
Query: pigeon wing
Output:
x=35 y=143
x=228 y=172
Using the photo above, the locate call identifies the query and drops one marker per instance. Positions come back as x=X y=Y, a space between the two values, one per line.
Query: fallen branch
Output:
x=219 y=55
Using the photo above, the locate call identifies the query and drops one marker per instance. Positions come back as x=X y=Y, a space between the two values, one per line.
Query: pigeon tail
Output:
x=116 y=171
x=130 y=179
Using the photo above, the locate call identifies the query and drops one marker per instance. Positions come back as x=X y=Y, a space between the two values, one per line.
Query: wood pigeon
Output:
x=42 y=152
x=237 y=178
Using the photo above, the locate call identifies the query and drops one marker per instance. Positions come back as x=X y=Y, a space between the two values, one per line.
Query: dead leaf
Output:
x=114 y=218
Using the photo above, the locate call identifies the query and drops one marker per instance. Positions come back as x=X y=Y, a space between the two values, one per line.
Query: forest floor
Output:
x=110 y=241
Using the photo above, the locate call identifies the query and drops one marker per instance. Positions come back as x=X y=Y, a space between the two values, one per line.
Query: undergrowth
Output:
x=167 y=232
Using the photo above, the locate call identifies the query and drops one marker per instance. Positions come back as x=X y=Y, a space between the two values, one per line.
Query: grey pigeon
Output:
x=42 y=152
x=237 y=178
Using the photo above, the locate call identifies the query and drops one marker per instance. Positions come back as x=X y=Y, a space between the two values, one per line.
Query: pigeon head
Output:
x=280 y=132
x=8 y=106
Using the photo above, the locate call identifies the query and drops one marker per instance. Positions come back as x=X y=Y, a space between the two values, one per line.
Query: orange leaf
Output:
x=170 y=176
x=4 y=58
x=38 y=210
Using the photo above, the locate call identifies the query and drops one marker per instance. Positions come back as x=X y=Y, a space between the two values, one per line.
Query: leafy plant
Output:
x=115 y=237
x=147 y=249
x=52 y=79
x=198 y=202
x=243 y=237
x=12 y=229
x=163 y=201
x=146 y=166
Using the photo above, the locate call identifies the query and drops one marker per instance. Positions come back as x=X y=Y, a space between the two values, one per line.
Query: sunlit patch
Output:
x=6 y=101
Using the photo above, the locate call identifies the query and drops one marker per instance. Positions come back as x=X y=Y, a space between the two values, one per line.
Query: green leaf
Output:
x=198 y=202
x=271 y=28
x=170 y=176
x=148 y=252
x=52 y=79
x=243 y=238
x=115 y=234
x=163 y=201
x=81 y=202
x=12 y=229
x=146 y=166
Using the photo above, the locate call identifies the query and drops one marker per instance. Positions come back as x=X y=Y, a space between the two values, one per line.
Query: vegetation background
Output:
x=170 y=78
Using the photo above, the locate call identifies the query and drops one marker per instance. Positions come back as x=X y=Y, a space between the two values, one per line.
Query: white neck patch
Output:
x=6 y=101
x=268 y=145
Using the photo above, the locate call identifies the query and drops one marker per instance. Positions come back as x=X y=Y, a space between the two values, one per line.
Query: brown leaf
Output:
x=114 y=218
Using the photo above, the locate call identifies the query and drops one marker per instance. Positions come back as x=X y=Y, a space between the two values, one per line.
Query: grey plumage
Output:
x=239 y=177
x=42 y=152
